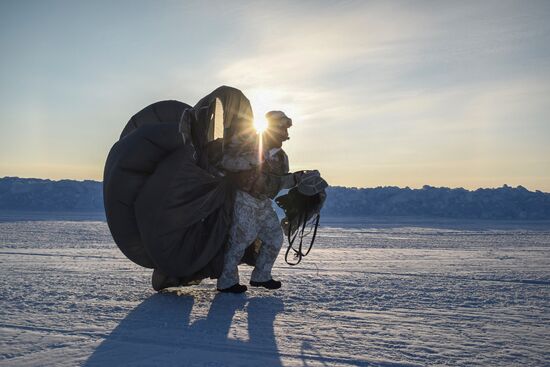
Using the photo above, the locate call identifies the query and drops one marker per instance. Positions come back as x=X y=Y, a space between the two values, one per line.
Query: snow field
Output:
x=367 y=295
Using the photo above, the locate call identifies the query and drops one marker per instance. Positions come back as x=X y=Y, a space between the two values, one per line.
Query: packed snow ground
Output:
x=370 y=293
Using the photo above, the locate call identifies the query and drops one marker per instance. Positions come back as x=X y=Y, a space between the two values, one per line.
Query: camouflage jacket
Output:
x=267 y=179
x=273 y=175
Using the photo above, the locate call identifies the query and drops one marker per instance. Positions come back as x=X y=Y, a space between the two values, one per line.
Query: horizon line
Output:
x=504 y=185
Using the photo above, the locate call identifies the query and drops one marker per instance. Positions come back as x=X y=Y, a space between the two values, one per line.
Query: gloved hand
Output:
x=310 y=182
x=297 y=177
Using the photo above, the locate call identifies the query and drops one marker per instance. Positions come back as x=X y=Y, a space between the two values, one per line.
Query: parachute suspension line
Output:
x=291 y=241
x=298 y=253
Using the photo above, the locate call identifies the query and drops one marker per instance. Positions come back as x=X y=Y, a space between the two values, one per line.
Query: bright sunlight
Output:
x=262 y=101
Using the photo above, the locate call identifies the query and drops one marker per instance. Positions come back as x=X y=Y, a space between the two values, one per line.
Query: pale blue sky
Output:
x=445 y=93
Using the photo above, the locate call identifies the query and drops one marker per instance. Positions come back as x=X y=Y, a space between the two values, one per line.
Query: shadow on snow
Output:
x=158 y=332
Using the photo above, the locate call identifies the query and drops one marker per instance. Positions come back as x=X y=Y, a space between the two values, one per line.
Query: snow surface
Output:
x=370 y=293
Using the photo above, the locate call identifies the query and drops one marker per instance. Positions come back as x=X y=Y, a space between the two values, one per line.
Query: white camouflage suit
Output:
x=254 y=218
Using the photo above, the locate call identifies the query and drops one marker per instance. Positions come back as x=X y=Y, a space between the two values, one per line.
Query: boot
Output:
x=161 y=281
x=270 y=284
x=236 y=288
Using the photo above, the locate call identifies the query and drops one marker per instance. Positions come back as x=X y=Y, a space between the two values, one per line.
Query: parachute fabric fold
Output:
x=183 y=214
x=238 y=120
x=166 y=205
x=163 y=111
x=131 y=161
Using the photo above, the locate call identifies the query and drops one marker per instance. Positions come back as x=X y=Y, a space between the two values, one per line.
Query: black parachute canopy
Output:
x=166 y=208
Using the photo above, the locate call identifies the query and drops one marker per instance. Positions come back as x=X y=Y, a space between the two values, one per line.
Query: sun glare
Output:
x=262 y=101
x=260 y=124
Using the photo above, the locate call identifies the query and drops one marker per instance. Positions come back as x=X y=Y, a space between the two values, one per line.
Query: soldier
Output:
x=253 y=214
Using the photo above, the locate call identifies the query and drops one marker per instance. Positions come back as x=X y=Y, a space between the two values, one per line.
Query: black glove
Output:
x=310 y=182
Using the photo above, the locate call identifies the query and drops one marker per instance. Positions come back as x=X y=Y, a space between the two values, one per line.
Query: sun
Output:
x=261 y=101
x=260 y=124
x=264 y=100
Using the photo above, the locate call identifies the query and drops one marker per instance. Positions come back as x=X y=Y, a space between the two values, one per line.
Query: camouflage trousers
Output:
x=252 y=219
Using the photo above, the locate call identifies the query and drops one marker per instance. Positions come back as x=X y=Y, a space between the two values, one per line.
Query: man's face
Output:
x=274 y=137
x=277 y=129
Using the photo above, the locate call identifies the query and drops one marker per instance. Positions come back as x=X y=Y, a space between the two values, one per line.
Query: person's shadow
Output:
x=158 y=333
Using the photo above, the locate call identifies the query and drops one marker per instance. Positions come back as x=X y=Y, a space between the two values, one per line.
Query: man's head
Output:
x=277 y=129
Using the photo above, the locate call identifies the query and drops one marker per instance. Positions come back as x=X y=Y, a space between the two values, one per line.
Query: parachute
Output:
x=167 y=205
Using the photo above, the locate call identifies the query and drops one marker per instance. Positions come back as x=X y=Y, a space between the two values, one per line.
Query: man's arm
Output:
x=288 y=181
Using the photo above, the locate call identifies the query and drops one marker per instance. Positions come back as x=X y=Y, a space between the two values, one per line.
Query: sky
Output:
x=399 y=93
